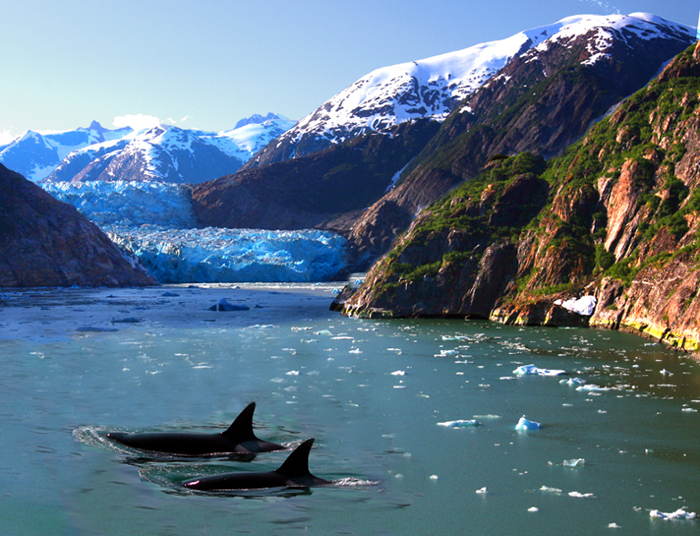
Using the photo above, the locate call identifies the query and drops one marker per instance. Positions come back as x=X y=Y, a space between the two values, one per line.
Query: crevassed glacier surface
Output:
x=154 y=222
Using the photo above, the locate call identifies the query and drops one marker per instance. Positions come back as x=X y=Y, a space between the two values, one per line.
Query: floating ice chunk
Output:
x=547 y=489
x=526 y=370
x=614 y=526
x=592 y=387
x=666 y=372
x=690 y=410
x=573 y=381
x=464 y=423
x=399 y=373
x=524 y=424
x=584 y=305
x=678 y=514
x=433 y=477
x=533 y=509
x=446 y=353
x=580 y=495
x=577 y=462
x=482 y=491
x=293 y=373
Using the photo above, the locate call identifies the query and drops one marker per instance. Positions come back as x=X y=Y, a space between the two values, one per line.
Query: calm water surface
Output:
x=372 y=394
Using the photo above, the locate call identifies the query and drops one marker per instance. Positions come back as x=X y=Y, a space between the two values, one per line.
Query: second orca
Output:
x=293 y=473
x=239 y=438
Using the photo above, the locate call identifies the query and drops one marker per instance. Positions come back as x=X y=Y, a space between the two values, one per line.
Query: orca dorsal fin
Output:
x=297 y=463
x=242 y=428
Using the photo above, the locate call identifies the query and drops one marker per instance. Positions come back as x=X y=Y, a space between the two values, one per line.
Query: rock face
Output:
x=542 y=101
x=46 y=243
x=325 y=190
x=616 y=217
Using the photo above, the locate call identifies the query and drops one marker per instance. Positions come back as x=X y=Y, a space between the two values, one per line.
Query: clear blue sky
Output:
x=208 y=63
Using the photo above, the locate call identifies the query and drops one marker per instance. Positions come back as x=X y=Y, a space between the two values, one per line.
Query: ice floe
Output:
x=525 y=370
x=681 y=513
x=464 y=423
x=524 y=424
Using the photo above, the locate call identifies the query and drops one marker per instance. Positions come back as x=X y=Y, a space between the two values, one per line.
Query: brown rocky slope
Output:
x=617 y=217
x=46 y=243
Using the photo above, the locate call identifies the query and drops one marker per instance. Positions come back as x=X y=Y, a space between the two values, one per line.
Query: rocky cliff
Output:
x=617 y=217
x=328 y=189
x=542 y=101
x=46 y=243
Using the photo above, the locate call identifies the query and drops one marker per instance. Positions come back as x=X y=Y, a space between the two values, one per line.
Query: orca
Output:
x=238 y=439
x=293 y=473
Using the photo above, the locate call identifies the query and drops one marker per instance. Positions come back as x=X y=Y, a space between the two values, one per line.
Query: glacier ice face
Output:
x=154 y=222
x=233 y=255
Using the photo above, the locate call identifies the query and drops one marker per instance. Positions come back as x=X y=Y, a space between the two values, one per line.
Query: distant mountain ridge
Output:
x=34 y=155
x=163 y=153
x=432 y=88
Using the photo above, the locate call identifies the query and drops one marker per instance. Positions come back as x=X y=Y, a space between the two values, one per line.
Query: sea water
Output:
x=414 y=421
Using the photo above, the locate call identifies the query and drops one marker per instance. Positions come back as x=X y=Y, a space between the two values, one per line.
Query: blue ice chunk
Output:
x=525 y=370
x=524 y=424
x=465 y=423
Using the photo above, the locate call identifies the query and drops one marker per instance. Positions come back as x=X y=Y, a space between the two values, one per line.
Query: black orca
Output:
x=238 y=439
x=293 y=473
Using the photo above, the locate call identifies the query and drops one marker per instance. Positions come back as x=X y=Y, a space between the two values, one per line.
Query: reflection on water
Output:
x=374 y=395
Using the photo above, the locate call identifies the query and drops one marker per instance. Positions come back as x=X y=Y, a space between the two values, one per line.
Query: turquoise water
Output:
x=372 y=394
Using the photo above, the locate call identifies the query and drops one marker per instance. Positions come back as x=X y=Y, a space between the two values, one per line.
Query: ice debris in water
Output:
x=533 y=509
x=584 y=305
x=526 y=370
x=524 y=424
x=482 y=491
x=592 y=387
x=399 y=373
x=581 y=495
x=577 y=462
x=464 y=423
x=678 y=514
x=573 y=381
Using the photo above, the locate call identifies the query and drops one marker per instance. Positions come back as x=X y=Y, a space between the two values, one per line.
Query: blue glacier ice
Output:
x=154 y=222
x=128 y=203
x=214 y=255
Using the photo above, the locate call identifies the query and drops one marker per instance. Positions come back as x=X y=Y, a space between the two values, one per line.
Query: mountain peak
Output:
x=257 y=119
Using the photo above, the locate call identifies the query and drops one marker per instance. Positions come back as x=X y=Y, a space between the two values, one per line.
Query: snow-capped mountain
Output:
x=432 y=87
x=163 y=153
x=34 y=154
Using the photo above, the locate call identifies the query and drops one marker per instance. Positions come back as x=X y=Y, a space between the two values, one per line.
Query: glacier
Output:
x=214 y=255
x=154 y=222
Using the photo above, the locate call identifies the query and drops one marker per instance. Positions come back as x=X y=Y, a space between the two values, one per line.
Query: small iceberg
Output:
x=573 y=381
x=527 y=370
x=592 y=387
x=678 y=514
x=524 y=424
x=399 y=373
x=460 y=424
x=577 y=462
